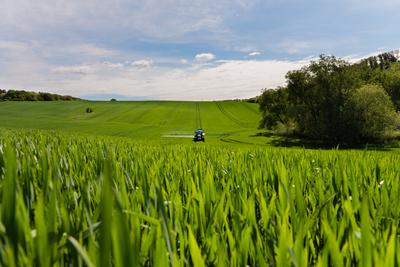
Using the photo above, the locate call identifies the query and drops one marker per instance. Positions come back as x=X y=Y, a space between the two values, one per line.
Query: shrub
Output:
x=89 y=110
x=371 y=113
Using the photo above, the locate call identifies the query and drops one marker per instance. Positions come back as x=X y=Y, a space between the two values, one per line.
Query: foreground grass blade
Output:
x=82 y=252
x=98 y=201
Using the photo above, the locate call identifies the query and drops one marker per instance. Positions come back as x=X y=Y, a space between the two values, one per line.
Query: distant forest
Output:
x=20 y=95
x=333 y=100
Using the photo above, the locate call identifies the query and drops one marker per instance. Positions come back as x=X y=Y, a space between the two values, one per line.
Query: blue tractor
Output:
x=199 y=135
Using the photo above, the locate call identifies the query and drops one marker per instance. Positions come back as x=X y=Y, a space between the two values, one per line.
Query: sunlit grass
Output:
x=76 y=201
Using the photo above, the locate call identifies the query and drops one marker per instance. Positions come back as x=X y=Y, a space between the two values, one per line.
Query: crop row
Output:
x=76 y=201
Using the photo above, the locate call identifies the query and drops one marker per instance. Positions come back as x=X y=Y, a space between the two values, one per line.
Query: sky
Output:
x=181 y=49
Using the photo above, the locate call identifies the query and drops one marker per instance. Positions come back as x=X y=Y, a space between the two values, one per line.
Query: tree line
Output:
x=333 y=100
x=21 y=95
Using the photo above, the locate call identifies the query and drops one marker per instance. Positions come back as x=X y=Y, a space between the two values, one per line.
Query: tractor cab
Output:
x=199 y=135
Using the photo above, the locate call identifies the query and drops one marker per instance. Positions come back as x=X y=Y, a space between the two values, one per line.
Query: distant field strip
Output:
x=232 y=117
x=144 y=120
x=198 y=116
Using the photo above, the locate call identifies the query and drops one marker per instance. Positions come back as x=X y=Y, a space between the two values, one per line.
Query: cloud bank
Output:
x=179 y=49
x=223 y=79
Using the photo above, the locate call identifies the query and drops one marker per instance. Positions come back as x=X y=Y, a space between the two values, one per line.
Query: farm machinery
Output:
x=199 y=135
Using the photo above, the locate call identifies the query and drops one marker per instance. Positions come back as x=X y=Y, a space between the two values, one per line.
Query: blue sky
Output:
x=179 y=49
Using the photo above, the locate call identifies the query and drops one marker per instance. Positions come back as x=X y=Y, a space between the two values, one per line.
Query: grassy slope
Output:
x=223 y=121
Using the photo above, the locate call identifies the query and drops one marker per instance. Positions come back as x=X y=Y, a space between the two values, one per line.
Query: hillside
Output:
x=231 y=121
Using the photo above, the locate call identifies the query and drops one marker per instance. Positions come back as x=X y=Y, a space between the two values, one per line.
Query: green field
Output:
x=107 y=189
x=230 y=121
x=100 y=201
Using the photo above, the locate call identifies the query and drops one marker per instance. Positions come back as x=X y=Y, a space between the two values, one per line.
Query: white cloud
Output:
x=358 y=57
x=219 y=79
x=112 y=65
x=142 y=64
x=225 y=79
x=204 y=57
x=86 y=49
x=13 y=46
x=81 y=70
x=105 y=67
x=52 y=51
x=245 y=49
x=255 y=53
x=154 y=19
x=222 y=80
x=63 y=44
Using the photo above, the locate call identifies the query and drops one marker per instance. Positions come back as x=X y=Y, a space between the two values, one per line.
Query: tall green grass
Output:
x=80 y=201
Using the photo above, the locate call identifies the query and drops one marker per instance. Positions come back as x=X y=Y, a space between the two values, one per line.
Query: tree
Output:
x=390 y=80
x=382 y=61
x=332 y=100
x=317 y=93
x=67 y=98
x=371 y=113
x=274 y=107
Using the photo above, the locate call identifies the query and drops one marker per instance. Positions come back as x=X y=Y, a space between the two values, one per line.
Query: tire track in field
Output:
x=231 y=117
x=252 y=110
x=198 y=116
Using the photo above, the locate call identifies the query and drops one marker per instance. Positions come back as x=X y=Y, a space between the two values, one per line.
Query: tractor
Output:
x=199 y=135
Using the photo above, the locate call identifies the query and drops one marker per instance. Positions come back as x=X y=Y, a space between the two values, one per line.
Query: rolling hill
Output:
x=159 y=121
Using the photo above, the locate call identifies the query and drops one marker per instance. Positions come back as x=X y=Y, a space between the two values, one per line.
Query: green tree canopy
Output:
x=21 y=95
x=371 y=113
x=274 y=107
x=333 y=100
x=317 y=95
